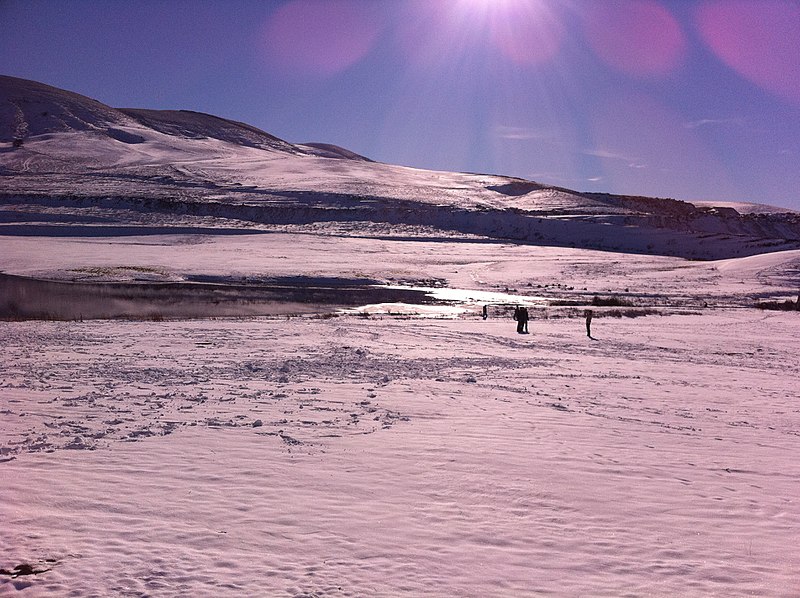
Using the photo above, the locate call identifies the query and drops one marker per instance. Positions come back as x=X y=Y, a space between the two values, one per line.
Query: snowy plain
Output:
x=384 y=455
x=384 y=449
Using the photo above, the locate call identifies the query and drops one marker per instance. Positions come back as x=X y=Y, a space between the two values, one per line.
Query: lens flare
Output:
x=759 y=40
x=429 y=34
x=637 y=37
x=321 y=37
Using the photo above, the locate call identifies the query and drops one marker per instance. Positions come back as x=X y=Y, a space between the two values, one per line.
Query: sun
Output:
x=491 y=2
x=525 y=31
x=485 y=7
x=497 y=5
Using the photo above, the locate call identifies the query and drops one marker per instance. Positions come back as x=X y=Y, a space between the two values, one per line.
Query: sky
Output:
x=693 y=100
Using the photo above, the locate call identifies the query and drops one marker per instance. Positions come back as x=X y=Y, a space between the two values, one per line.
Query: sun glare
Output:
x=483 y=3
x=525 y=31
x=498 y=7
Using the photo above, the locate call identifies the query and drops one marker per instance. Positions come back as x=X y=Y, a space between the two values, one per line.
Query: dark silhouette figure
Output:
x=521 y=316
x=588 y=314
x=485 y=311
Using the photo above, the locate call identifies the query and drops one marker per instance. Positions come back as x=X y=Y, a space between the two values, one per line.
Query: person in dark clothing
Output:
x=588 y=314
x=521 y=316
x=485 y=311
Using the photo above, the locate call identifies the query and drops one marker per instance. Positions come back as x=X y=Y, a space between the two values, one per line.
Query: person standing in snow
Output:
x=588 y=315
x=521 y=316
x=485 y=311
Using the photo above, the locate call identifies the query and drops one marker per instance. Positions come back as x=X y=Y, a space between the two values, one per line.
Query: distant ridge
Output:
x=29 y=108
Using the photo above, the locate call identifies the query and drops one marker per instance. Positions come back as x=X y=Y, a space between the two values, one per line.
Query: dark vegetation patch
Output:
x=787 y=305
x=629 y=313
x=612 y=301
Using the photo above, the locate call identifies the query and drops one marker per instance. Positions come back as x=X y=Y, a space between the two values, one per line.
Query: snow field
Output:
x=402 y=456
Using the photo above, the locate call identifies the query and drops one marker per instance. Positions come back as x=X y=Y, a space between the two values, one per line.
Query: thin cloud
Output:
x=704 y=122
x=521 y=133
x=607 y=155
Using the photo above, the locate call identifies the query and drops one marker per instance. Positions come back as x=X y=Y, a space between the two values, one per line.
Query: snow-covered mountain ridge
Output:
x=69 y=160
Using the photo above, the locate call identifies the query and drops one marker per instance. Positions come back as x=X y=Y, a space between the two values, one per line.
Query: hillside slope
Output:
x=63 y=155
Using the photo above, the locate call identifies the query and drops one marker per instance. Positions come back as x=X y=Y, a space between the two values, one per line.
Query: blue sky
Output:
x=670 y=98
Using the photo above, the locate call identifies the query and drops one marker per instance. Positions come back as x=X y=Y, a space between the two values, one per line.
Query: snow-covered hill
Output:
x=63 y=156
